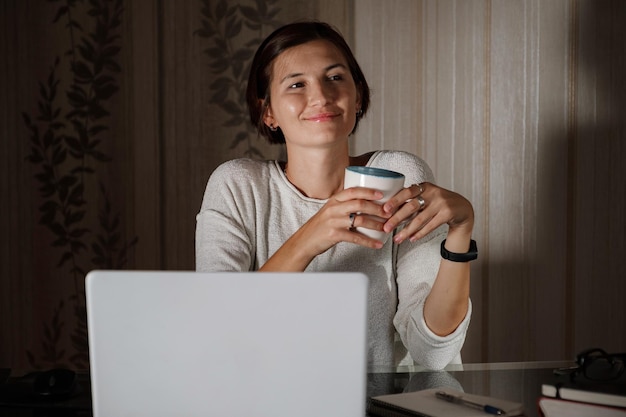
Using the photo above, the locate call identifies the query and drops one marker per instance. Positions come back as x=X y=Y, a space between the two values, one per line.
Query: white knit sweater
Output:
x=250 y=209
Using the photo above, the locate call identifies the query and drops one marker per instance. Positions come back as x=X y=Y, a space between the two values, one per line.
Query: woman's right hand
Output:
x=330 y=225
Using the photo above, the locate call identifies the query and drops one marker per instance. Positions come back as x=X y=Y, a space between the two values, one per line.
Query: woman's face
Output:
x=313 y=97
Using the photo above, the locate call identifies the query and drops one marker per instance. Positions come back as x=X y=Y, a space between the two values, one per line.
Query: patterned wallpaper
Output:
x=101 y=180
x=114 y=114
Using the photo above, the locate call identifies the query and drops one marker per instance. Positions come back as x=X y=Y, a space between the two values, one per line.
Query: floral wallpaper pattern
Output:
x=71 y=137
x=66 y=137
x=233 y=31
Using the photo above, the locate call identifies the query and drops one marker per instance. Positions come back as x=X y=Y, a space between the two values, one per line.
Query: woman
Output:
x=306 y=90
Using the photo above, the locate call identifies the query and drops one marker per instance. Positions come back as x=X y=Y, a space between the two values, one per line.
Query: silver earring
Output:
x=359 y=112
x=273 y=129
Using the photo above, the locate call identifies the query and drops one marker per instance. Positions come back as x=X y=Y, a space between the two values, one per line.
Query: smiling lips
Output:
x=322 y=117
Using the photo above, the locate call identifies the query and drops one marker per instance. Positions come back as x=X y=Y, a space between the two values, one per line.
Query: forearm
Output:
x=290 y=257
x=446 y=305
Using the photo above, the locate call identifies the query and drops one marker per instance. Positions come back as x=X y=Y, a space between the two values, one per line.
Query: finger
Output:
x=370 y=222
x=429 y=226
x=362 y=207
x=352 y=236
x=419 y=227
x=352 y=219
x=359 y=222
x=358 y=193
x=407 y=212
x=412 y=229
x=398 y=200
x=403 y=196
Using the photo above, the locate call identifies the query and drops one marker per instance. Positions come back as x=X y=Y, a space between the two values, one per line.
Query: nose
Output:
x=320 y=93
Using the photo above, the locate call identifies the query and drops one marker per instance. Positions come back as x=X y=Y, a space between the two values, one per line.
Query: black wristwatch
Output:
x=460 y=257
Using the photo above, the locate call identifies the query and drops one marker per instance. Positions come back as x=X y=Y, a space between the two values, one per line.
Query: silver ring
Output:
x=352 y=217
x=421 y=201
x=421 y=187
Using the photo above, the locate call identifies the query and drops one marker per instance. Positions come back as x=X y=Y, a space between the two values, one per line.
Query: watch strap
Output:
x=460 y=257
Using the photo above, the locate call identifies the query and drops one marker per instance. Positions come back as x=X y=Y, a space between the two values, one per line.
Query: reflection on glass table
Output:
x=519 y=382
x=514 y=381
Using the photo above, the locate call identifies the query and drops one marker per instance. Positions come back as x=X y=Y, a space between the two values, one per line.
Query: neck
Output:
x=318 y=174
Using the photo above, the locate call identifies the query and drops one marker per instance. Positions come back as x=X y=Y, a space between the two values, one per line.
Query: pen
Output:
x=489 y=409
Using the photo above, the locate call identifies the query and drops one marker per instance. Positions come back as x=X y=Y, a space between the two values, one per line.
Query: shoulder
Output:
x=241 y=176
x=241 y=169
x=412 y=166
x=242 y=166
x=238 y=182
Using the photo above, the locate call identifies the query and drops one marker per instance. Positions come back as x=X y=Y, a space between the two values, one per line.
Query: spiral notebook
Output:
x=227 y=344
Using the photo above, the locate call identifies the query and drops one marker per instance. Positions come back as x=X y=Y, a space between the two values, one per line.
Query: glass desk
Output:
x=515 y=381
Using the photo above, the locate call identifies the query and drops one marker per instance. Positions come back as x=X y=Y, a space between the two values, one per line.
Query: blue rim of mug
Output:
x=376 y=172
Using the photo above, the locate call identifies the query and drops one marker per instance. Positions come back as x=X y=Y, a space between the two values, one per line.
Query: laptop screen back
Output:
x=216 y=344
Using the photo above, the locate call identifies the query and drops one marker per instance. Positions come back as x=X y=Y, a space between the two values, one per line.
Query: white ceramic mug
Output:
x=386 y=181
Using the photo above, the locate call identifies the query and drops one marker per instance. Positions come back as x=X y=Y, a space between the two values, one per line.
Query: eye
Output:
x=297 y=85
x=337 y=77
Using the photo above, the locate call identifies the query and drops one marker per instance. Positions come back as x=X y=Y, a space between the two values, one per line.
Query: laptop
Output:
x=165 y=343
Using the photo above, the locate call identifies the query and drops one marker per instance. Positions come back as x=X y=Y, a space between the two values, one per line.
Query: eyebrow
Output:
x=298 y=74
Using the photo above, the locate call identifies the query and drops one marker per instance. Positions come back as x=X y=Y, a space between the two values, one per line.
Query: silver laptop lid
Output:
x=227 y=344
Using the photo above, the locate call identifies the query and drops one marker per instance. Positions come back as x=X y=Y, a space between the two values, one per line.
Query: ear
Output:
x=268 y=119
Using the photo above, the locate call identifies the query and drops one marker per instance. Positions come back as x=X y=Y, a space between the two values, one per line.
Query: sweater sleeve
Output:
x=222 y=241
x=416 y=267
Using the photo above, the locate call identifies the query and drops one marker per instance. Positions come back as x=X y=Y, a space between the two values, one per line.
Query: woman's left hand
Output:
x=425 y=207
